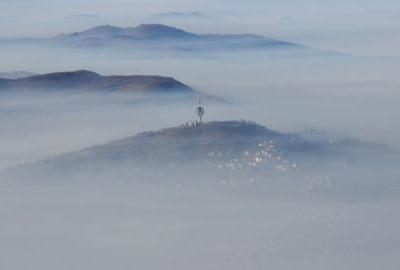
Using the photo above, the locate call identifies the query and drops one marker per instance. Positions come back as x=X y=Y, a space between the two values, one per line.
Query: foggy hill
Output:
x=141 y=32
x=220 y=146
x=159 y=35
x=88 y=80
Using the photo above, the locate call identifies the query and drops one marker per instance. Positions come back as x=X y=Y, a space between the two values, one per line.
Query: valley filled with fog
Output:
x=335 y=213
x=288 y=91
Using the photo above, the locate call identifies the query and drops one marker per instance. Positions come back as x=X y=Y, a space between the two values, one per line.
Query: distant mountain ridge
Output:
x=143 y=31
x=88 y=80
x=159 y=35
x=178 y=14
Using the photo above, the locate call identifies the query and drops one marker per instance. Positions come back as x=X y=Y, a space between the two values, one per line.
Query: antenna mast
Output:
x=200 y=112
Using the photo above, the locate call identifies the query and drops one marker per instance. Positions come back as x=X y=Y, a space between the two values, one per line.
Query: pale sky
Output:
x=366 y=27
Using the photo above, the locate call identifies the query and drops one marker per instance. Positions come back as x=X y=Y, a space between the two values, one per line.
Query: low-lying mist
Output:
x=200 y=221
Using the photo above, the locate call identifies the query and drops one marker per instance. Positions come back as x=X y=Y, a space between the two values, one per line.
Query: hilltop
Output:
x=215 y=146
x=91 y=81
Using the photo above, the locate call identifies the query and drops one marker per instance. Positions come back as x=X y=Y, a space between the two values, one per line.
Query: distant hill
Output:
x=141 y=32
x=15 y=75
x=91 y=81
x=180 y=15
x=162 y=36
x=221 y=146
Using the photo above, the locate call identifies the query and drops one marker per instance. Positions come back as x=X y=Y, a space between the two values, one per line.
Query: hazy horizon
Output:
x=359 y=27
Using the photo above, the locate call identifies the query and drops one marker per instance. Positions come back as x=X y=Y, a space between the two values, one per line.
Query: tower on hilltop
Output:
x=199 y=112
